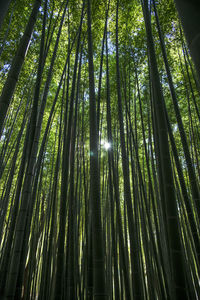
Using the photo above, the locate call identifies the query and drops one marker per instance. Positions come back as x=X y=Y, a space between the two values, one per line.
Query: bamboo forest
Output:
x=100 y=150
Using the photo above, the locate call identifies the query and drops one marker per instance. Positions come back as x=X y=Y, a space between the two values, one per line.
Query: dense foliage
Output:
x=99 y=152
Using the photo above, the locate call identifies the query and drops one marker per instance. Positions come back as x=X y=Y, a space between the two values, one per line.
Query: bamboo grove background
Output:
x=99 y=150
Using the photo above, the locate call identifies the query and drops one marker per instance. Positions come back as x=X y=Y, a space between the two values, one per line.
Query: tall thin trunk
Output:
x=189 y=12
x=178 y=290
x=191 y=172
x=137 y=287
x=4 y=5
x=65 y=173
x=10 y=84
x=97 y=238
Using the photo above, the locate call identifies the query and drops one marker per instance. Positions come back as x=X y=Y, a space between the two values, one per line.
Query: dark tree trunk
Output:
x=97 y=237
x=189 y=12
x=4 y=5
x=16 y=66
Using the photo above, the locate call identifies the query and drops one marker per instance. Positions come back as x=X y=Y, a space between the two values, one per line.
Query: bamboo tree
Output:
x=113 y=181
x=16 y=66
x=18 y=243
x=7 y=31
x=65 y=171
x=192 y=175
x=97 y=239
x=137 y=289
x=189 y=12
x=3 y=9
x=177 y=263
x=98 y=184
